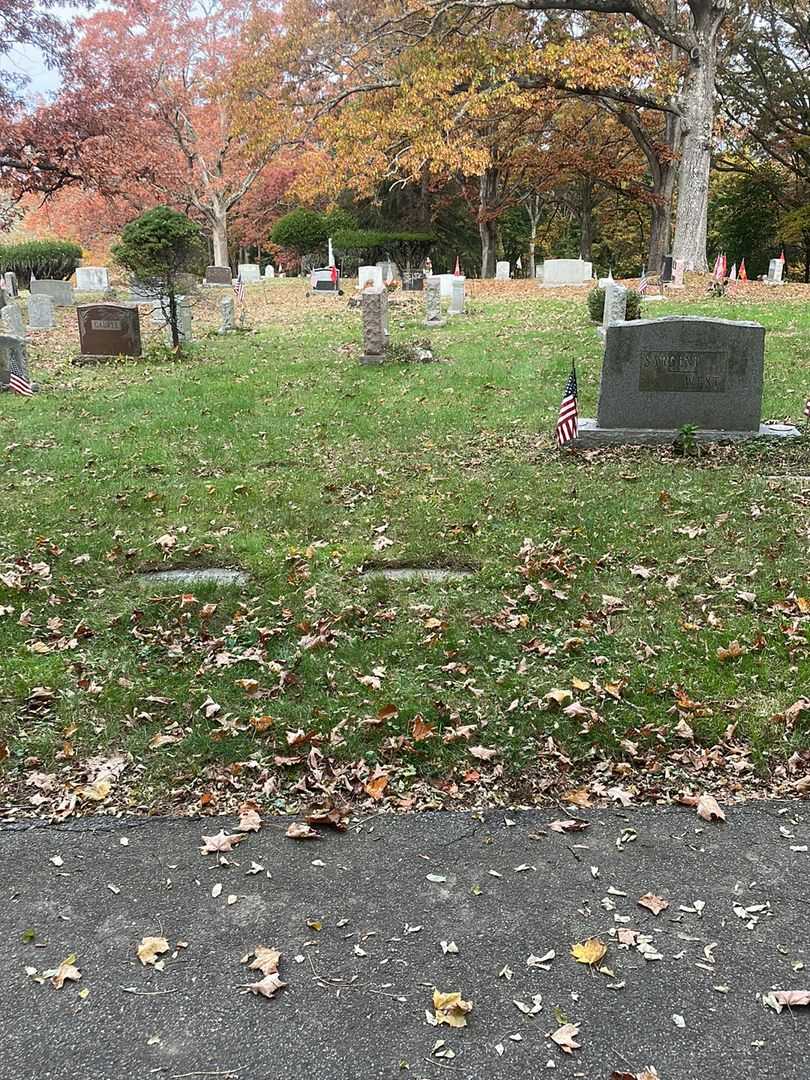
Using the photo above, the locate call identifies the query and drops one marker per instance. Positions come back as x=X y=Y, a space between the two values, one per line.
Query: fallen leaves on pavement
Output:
x=589 y=952
x=565 y=1037
x=451 y=1009
x=151 y=948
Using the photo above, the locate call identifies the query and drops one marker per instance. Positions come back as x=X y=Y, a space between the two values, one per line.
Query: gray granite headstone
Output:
x=457 y=297
x=184 y=328
x=109 y=329
x=10 y=282
x=677 y=273
x=502 y=271
x=269 y=271
x=374 y=304
x=615 y=303
x=226 y=315
x=12 y=320
x=433 y=302
x=13 y=358
x=40 y=313
x=660 y=374
x=61 y=292
x=218 y=275
x=92 y=278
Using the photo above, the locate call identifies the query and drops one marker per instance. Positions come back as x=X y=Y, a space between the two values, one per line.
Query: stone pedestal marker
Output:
x=374 y=305
x=433 y=302
x=12 y=320
x=61 y=292
x=457 y=298
x=659 y=374
x=40 y=313
x=226 y=315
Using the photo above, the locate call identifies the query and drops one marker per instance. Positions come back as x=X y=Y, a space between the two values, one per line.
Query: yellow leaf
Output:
x=451 y=1009
x=150 y=949
x=98 y=791
x=589 y=952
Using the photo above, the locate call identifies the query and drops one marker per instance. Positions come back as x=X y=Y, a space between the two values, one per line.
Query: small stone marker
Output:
x=567 y=272
x=12 y=320
x=92 y=279
x=775 y=270
x=249 y=273
x=40 y=313
x=374 y=304
x=269 y=271
x=457 y=298
x=226 y=315
x=677 y=274
x=666 y=270
x=433 y=302
x=660 y=374
x=184 y=328
x=61 y=292
x=388 y=269
x=615 y=304
x=10 y=284
x=13 y=358
x=109 y=329
x=218 y=275
x=502 y=271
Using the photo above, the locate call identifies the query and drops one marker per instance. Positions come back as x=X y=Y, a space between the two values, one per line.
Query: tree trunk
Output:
x=698 y=121
x=173 y=319
x=533 y=205
x=219 y=235
x=586 y=220
x=487 y=226
x=661 y=217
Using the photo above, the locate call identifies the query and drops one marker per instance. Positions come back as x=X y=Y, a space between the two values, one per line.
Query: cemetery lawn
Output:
x=637 y=625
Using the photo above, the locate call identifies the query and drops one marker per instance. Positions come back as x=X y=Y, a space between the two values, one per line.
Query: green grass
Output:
x=278 y=453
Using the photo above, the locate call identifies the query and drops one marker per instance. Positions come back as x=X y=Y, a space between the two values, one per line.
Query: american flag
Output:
x=567 y=421
x=239 y=289
x=18 y=381
x=643 y=284
x=807 y=408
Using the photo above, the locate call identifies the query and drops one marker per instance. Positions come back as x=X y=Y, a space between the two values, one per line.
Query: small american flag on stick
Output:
x=807 y=409
x=568 y=420
x=643 y=284
x=18 y=381
x=239 y=289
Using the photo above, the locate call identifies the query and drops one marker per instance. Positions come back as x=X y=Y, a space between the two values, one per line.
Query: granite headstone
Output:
x=218 y=275
x=249 y=273
x=13 y=358
x=40 y=313
x=109 y=329
x=457 y=298
x=61 y=292
x=502 y=271
x=92 y=278
x=567 y=272
x=775 y=270
x=433 y=302
x=226 y=315
x=12 y=320
x=615 y=304
x=374 y=305
x=10 y=283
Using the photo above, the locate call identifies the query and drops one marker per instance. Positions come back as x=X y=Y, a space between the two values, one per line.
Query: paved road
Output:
x=346 y=1016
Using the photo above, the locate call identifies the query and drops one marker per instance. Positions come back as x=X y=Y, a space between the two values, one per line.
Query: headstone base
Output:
x=591 y=436
x=434 y=323
x=366 y=358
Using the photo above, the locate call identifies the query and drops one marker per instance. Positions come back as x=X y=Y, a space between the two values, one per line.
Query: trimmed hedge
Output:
x=55 y=259
x=596 y=304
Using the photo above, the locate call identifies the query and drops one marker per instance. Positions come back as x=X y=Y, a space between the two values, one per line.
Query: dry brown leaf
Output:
x=564 y=825
x=249 y=819
x=333 y=817
x=683 y=730
x=260 y=724
x=709 y=809
x=733 y=651
x=299 y=831
x=420 y=730
x=792 y=997
x=565 y=1037
x=220 y=842
x=590 y=951
x=265 y=960
x=377 y=785
x=451 y=1009
x=648 y=1074
x=267 y=986
x=653 y=903
x=66 y=972
x=483 y=753
x=150 y=949
x=579 y=797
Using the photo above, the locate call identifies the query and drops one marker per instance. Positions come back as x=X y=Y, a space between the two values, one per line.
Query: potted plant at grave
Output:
x=160 y=248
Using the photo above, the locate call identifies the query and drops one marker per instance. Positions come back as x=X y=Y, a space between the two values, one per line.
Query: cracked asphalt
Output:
x=359 y=926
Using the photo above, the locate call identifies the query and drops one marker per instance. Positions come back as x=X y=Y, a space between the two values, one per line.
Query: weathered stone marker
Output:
x=184 y=327
x=13 y=358
x=502 y=271
x=61 y=292
x=10 y=284
x=226 y=315
x=775 y=270
x=92 y=279
x=218 y=275
x=369 y=274
x=40 y=313
x=457 y=297
x=677 y=274
x=615 y=304
x=11 y=317
x=374 y=304
x=660 y=374
x=566 y=272
x=433 y=302
x=109 y=329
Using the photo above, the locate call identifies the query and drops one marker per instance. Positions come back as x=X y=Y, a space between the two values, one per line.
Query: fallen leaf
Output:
x=299 y=831
x=150 y=949
x=709 y=809
x=220 y=842
x=579 y=797
x=451 y=1009
x=568 y=825
x=66 y=972
x=377 y=785
x=589 y=952
x=420 y=730
x=653 y=903
x=267 y=986
x=733 y=651
x=483 y=753
x=564 y=1038
x=265 y=960
x=791 y=997
x=249 y=820
x=333 y=817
